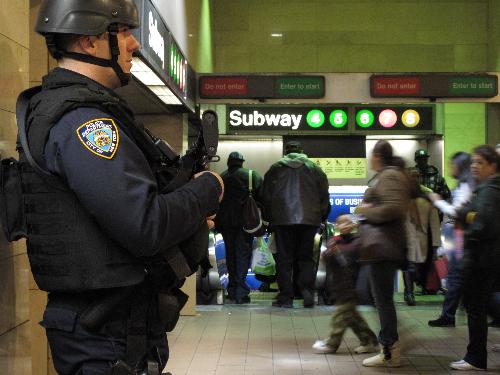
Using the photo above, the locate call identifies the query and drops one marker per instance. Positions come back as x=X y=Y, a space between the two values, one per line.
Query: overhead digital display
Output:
x=261 y=86
x=434 y=85
x=162 y=54
x=401 y=118
x=286 y=118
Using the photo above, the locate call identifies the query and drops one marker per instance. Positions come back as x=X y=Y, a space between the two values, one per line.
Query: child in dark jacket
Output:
x=341 y=254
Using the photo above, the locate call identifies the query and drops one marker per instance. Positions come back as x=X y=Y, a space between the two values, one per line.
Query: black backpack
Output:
x=250 y=214
x=12 y=210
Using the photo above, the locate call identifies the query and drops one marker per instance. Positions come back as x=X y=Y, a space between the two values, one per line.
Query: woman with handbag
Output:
x=460 y=170
x=383 y=244
x=481 y=260
x=423 y=238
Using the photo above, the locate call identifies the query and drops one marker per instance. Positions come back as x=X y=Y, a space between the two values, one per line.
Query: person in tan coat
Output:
x=383 y=244
x=423 y=229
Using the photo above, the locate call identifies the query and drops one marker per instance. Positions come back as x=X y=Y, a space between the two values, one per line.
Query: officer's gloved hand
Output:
x=218 y=178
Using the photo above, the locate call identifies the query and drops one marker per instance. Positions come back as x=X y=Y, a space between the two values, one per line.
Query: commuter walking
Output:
x=481 y=263
x=383 y=244
x=296 y=201
x=228 y=222
x=460 y=170
x=342 y=255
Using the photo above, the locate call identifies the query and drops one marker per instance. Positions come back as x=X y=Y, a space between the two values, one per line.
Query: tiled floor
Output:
x=263 y=340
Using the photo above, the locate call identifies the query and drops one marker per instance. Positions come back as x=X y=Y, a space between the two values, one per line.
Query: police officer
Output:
x=430 y=176
x=228 y=222
x=97 y=217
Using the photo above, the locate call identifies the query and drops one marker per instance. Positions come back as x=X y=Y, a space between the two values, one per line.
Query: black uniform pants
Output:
x=294 y=244
x=478 y=287
x=78 y=351
x=238 y=255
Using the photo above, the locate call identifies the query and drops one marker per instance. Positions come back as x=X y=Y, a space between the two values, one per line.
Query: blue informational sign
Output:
x=344 y=200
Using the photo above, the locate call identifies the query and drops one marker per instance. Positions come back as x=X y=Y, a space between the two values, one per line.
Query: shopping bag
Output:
x=436 y=274
x=271 y=243
x=262 y=260
x=441 y=266
x=432 y=284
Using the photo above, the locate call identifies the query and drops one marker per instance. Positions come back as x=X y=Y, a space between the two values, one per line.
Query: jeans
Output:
x=382 y=284
x=238 y=255
x=478 y=286
x=454 y=285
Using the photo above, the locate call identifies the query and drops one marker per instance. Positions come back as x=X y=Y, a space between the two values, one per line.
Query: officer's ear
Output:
x=91 y=45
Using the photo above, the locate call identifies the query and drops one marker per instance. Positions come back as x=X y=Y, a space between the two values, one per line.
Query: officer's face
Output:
x=127 y=44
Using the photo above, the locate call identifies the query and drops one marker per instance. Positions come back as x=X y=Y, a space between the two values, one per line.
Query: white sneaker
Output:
x=464 y=366
x=391 y=359
x=322 y=347
x=370 y=348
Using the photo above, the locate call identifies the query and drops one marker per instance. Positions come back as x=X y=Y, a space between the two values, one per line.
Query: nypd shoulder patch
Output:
x=100 y=136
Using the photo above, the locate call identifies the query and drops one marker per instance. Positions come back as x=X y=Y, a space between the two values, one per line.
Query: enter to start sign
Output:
x=300 y=87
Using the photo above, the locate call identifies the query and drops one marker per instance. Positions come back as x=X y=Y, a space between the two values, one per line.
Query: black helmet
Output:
x=235 y=155
x=421 y=153
x=87 y=17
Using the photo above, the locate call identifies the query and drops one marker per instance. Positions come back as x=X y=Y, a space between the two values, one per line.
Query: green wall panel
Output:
x=494 y=36
x=359 y=35
x=465 y=128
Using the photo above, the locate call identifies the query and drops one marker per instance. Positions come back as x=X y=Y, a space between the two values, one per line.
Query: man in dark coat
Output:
x=228 y=222
x=296 y=201
x=429 y=175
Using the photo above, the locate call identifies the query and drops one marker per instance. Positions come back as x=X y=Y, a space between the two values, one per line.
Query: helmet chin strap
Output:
x=111 y=63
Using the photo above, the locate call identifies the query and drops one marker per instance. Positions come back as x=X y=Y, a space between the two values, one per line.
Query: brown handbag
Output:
x=382 y=242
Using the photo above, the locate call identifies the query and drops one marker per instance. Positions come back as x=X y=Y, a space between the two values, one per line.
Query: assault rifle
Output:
x=174 y=170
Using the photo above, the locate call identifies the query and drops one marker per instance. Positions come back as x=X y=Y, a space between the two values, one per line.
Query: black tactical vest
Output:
x=67 y=249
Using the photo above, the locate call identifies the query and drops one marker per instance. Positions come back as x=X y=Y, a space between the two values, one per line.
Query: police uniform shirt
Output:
x=112 y=179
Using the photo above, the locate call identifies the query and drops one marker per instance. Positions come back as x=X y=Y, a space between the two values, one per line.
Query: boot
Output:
x=408 y=294
x=388 y=357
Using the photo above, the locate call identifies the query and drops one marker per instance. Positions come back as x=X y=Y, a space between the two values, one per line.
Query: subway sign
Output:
x=339 y=119
x=398 y=118
x=285 y=119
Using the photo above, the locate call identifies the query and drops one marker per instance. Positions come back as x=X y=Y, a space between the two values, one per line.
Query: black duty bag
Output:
x=11 y=200
x=12 y=209
x=250 y=215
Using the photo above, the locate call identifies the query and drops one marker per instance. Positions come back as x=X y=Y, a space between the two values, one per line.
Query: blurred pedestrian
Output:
x=385 y=207
x=228 y=222
x=296 y=201
x=481 y=262
x=460 y=170
x=342 y=255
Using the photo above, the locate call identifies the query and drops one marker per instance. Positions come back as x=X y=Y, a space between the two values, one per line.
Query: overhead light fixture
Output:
x=149 y=78
x=277 y=35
